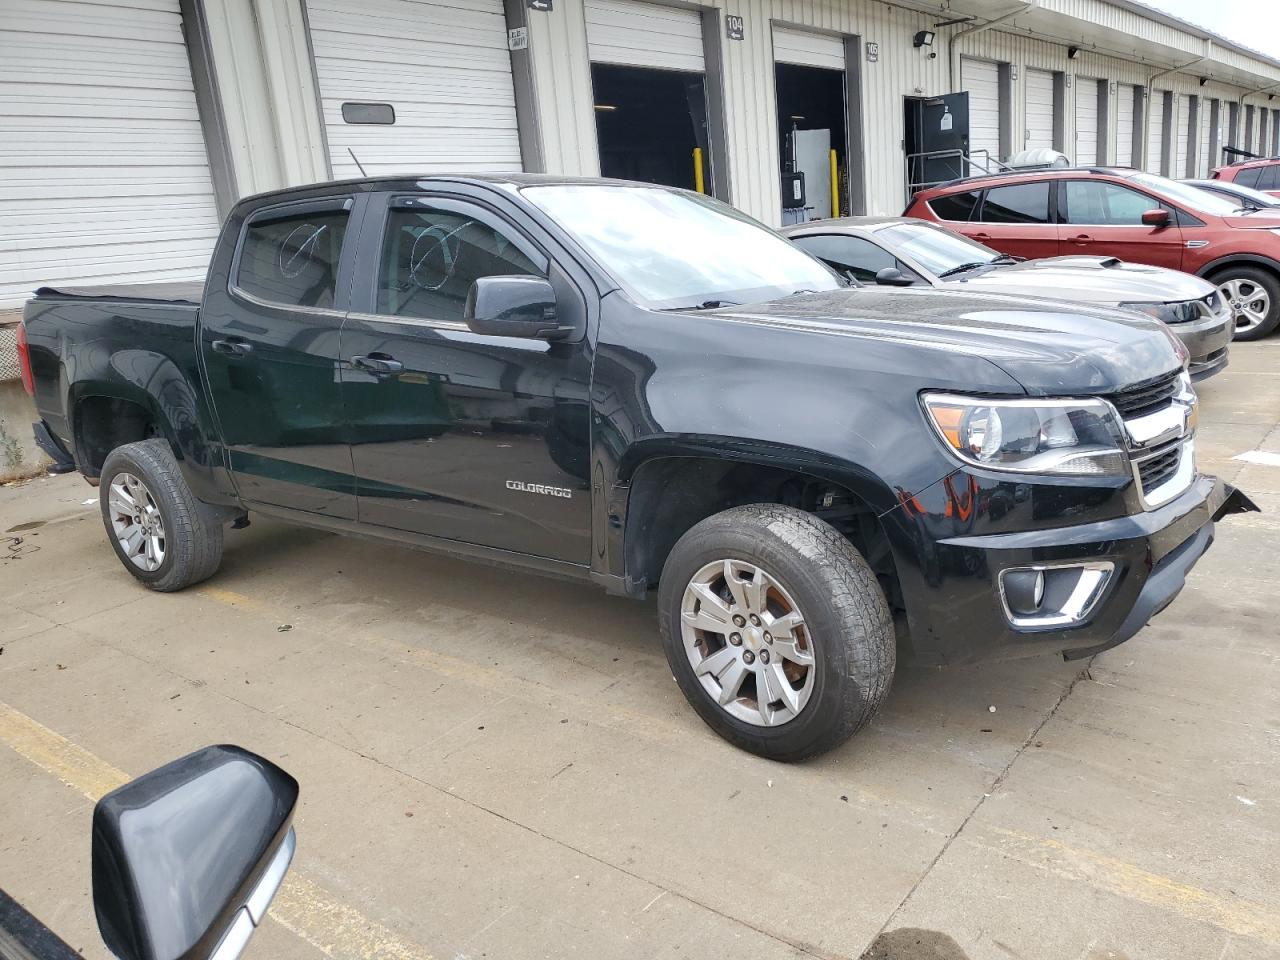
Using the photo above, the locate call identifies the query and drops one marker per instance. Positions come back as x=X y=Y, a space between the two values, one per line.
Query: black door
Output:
x=937 y=131
x=475 y=438
x=269 y=341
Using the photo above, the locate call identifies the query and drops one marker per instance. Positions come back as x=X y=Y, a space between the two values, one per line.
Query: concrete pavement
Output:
x=497 y=765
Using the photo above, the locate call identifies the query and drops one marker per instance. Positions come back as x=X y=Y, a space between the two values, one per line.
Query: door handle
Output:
x=980 y=237
x=1080 y=239
x=233 y=348
x=378 y=364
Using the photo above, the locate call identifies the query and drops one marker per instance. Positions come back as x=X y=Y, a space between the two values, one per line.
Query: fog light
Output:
x=1053 y=596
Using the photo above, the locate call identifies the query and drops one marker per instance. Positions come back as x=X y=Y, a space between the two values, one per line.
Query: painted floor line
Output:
x=1263 y=457
x=302 y=907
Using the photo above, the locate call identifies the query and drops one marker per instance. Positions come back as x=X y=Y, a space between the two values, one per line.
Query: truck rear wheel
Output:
x=162 y=534
x=776 y=630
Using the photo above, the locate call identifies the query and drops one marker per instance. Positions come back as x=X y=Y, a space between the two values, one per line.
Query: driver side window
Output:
x=1100 y=203
x=432 y=255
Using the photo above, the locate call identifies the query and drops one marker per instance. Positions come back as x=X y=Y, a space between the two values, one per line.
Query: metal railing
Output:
x=923 y=167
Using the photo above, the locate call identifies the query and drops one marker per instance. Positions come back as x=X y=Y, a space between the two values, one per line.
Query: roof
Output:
x=401 y=180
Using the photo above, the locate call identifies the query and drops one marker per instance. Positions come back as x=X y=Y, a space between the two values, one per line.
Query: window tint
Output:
x=1249 y=178
x=860 y=258
x=1100 y=203
x=955 y=206
x=1270 y=178
x=293 y=259
x=1019 y=203
x=431 y=256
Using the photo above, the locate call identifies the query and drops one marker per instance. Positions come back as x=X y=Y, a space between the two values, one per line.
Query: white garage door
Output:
x=807 y=49
x=103 y=172
x=1155 y=132
x=1086 y=121
x=443 y=65
x=981 y=79
x=1184 y=136
x=1039 y=109
x=1264 y=132
x=638 y=34
x=1124 y=125
x=1206 y=130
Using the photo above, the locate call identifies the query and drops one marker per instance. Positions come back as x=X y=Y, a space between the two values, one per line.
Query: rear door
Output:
x=1104 y=219
x=481 y=439
x=1017 y=219
x=269 y=346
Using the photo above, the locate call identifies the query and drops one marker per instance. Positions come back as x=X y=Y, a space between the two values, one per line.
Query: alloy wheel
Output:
x=747 y=642
x=1249 y=302
x=136 y=522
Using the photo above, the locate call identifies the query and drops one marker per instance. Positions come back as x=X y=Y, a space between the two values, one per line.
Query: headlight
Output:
x=1064 y=437
x=1183 y=312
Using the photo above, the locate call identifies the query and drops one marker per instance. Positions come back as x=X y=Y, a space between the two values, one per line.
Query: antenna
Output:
x=359 y=165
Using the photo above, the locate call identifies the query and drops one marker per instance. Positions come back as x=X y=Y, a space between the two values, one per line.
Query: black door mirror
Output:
x=516 y=306
x=893 y=277
x=187 y=858
x=1156 y=218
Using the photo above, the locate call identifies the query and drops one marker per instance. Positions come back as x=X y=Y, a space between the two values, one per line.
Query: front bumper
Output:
x=1206 y=341
x=1152 y=552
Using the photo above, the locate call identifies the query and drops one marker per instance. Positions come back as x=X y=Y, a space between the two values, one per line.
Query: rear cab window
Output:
x=289 y=255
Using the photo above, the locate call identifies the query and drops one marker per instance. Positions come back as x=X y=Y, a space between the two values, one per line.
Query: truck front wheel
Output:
x=776 y=630
x=162 y=534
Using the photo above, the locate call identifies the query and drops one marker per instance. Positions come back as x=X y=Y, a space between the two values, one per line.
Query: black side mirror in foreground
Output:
x=516 y=306
x=893 y=277
x=187 y=858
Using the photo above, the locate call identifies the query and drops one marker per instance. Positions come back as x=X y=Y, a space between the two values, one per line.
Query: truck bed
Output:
x=185 y=291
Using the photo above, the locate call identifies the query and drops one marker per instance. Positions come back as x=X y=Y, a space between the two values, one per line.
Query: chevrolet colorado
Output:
x=642 y=387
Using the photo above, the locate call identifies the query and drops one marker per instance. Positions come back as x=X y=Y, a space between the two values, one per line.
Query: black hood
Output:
x=1050 y=347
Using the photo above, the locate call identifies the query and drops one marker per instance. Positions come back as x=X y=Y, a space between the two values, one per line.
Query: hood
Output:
x=1268 y=219
x=1050 y=347
x=1101 y=280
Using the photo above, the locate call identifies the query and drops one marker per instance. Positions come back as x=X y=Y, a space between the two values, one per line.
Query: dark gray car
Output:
x=904 y=251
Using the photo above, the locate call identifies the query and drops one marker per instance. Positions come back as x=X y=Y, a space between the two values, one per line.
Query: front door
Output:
x=269 y=344
x=1016 y=219
x=481 y=439
x=1104 y=219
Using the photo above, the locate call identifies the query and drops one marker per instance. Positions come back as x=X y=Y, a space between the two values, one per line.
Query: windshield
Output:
x=673 y=249
x=1188 y=196
x=1246 y=195
x=935 y=249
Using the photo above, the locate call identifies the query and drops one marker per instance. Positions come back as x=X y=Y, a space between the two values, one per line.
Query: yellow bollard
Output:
x=835 y=184
x=698 y=182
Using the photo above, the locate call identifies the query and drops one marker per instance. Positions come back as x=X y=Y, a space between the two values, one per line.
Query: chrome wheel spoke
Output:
x=774 y=687
x=715 y=664
x=790 y=649
x=736 y=585
x=731 y=682
x=136 y=522
x=712 y=613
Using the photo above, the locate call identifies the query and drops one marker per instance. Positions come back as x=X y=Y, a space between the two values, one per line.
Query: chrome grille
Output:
x=1159 y=467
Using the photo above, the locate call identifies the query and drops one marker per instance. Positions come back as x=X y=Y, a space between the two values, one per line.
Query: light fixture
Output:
x=606 y=106
x=923 y=39
x=1203 y=81
x=1071 y=52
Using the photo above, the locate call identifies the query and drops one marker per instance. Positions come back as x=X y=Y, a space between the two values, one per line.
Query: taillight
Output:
x=24 y=360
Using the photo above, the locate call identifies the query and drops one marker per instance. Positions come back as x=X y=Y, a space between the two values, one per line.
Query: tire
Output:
x=189 y=546
x=810 y=570
x=1237 y=284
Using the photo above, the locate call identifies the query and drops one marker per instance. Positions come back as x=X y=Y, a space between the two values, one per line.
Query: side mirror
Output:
x=187 y=858
x=1156 y=218
x=893 y=277
x=516 y=306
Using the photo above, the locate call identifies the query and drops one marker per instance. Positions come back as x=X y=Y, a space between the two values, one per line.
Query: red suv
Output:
x=1261 y=175
x=1126 y=214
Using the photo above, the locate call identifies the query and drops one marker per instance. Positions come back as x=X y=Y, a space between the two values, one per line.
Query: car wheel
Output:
x=1253 y=296
x=776 y=630
x=162 y=534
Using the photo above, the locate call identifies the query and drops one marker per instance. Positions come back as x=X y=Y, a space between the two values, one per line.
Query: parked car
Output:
x=1243 y=196
x=1260 y=174
x=185 y=860
x=903 y=251
x=1137 y=217
x=640 y=386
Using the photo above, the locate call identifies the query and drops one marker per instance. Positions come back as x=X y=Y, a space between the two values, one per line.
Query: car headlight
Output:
x=1063 y=437
x=1183 y=312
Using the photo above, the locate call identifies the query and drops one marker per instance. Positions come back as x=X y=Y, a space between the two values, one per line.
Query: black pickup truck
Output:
x=642 y=387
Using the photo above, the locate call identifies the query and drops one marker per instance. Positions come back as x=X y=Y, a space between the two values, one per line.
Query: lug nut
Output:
x=748 y=656
x=768 y=637
x=755 y=621
x=735 y=639
x=764 y=656
x=738 y=621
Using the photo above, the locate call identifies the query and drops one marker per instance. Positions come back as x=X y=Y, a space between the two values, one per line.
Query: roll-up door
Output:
x=807 y=49
x=442 y=65
x=981 y=78
x=1184 y=137
x=635 y=33
x=104 y=176
x=1202 y=146
x=1155 y=132
x=1039 y=109
x=1264 y=131
x=1086 y=121
x=1124 y=125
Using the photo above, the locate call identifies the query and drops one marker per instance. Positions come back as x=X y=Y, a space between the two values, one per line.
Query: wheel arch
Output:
x=1240 y=259
x=104 y=417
